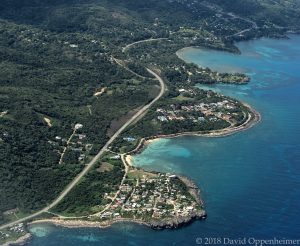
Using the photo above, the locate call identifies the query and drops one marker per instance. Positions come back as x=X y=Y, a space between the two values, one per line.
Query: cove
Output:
x=250 y=181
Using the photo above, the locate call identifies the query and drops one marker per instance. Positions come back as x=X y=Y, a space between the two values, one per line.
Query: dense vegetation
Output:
x=44 y=76
x=279 y=12
x=55 y=55
x=92 y=189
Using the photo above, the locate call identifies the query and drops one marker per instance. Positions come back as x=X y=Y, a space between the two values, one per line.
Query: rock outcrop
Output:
x=178 y=222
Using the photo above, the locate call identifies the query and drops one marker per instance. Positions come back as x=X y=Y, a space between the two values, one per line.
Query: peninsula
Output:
x=157 y=200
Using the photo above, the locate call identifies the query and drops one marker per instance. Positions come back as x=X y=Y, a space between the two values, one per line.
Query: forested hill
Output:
x=284 y=13
x=280 y=12
x=57 y=70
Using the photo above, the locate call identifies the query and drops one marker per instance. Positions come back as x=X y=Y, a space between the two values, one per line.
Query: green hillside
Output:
x=56 y=56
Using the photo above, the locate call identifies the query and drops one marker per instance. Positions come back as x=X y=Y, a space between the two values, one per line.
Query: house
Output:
x=162 y=118
x=201 y=119
x=81 y=157
x=11 y=211
x=129 y=139
x=160 y=110
x=78 y=126
x=116 y=214
x=81 y=136
x=116 y=157
x=106 y=215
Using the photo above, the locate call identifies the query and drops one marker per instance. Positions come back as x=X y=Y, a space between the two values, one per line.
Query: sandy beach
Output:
x=129 y=161
x=187 y=49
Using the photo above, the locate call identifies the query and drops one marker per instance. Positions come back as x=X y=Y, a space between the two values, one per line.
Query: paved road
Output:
x=90 y=165
x=67 y=145
x=142 y=41
x=119 y=62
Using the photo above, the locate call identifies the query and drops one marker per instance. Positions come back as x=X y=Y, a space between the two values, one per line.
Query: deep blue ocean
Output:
x=250 y=181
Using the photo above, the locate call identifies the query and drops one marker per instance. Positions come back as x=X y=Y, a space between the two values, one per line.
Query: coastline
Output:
x=253 y=119
x=20 y=241
x=187 y=49
x=86 y=224
x=199 y=47
x=172 y=223
x=184 y=49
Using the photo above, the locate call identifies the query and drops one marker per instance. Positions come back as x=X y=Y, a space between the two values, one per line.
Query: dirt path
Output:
x=66 y=147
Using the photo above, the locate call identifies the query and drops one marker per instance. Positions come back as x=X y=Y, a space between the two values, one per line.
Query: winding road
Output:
x=142 y=41
x=91 y=164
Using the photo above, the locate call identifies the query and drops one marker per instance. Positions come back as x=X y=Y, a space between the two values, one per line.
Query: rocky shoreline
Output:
x=164 y=223
x=193 y=189
x=172 y=223
x=161 y=224
x=20 y=241
x=176 y=223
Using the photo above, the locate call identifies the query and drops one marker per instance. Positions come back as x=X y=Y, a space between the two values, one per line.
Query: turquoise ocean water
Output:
x=250 y=181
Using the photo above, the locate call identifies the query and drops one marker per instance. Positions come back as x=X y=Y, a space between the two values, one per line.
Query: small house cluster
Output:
x=199 y=112
x=17 y=229
x=77 y=143
x=154 y=197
